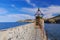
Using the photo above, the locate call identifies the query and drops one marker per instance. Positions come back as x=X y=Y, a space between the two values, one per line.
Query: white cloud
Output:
x=51 y=9
x=12 y=5
x=29 y=2
x=48 y=11
x=3 y=11
x=28 y=10
x=14 y=17
x=20 y=16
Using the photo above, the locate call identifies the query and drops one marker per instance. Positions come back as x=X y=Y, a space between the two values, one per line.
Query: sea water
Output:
x=6 y=25
x=53 y=31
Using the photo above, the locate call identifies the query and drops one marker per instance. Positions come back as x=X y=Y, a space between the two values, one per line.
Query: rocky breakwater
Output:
x=24 y=32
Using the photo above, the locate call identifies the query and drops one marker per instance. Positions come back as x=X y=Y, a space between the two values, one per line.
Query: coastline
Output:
x=13 y=27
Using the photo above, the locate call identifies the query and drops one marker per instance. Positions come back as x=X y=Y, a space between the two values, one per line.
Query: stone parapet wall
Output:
x=24 y=32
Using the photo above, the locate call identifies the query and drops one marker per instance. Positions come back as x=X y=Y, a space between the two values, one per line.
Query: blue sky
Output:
x=14 y=10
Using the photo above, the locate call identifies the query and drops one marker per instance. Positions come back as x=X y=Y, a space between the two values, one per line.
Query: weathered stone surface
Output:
x=24 y=32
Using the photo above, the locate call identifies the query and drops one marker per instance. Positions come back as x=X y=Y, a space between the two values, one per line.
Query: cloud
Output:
x=20 y=16
x=48 y=11
x=29 y=2
x=51 y=9
x=12 y=5
x=3 y=11
x=14 y=17
x=28 y=10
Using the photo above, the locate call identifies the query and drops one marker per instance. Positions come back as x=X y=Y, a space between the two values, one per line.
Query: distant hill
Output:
x=27 y=20
x=55 y=19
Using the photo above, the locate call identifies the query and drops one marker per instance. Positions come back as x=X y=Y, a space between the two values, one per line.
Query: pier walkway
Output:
x=24 y=32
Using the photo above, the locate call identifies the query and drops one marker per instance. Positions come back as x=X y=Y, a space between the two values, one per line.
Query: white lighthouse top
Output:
x=39 y=13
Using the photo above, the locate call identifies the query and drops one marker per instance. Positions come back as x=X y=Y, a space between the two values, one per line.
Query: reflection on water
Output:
x=53 y=31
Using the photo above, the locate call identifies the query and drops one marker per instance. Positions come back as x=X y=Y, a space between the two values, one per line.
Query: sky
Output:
x=14 y=10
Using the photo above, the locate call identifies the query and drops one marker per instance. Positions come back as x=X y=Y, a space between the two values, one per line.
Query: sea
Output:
x=6 y=25
x=52 y=30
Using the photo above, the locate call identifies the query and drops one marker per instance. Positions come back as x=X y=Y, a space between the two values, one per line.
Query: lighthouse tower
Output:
x=39 y=22
x=39 y=18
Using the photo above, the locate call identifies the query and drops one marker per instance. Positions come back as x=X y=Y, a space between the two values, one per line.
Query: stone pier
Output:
x=24 y=32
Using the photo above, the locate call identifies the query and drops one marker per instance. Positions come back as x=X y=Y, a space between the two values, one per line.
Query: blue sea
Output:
x=6 y=25
x=53 y=31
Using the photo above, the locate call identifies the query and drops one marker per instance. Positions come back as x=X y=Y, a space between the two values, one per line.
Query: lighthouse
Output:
x=39 y=19
x=39 y=22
